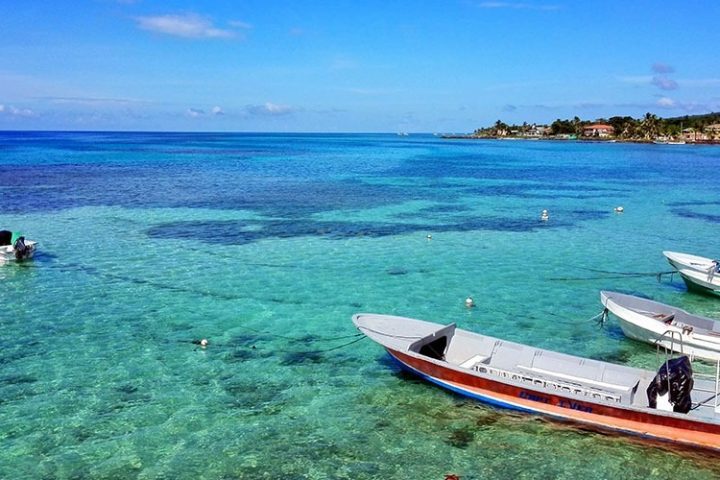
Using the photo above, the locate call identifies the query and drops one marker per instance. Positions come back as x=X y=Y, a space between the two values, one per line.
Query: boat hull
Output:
x=656 y=426
x=592 y=393
x=701 y=282
x=688 y=346
x=698 y=273
x=7 y=253
x=650 y=330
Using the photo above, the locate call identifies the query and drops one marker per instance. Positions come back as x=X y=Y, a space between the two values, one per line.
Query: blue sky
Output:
x=351 y=66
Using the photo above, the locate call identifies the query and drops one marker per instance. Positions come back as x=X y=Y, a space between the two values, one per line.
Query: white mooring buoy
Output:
x=619 y=209
x=469 y=302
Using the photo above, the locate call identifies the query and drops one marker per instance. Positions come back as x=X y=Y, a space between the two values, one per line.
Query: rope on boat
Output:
x=671 y=273
x=356 y=337
x=600 y=318
x=295 y=339
x=703 y=402
x=338 y=347
x=609 y=275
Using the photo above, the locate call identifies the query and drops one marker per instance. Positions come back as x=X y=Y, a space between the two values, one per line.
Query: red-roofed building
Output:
x=598 y=130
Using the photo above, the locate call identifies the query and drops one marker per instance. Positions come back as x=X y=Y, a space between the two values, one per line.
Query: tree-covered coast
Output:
x=649 y=128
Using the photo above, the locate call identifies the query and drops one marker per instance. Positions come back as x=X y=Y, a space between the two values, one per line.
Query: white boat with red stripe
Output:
x=674 y=405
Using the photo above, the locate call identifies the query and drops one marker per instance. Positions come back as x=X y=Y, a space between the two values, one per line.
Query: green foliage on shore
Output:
x=647 y=128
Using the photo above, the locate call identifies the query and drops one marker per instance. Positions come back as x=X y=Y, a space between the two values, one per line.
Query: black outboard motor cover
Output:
x=675 y=375
x=5 y=238
x=21 y=250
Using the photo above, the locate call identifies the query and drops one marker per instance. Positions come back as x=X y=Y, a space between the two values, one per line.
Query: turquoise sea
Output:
x=266 y=244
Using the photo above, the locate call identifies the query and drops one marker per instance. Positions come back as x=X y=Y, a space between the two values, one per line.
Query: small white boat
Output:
x=14 y=247
x=699 y=273
x=659 y=324
x=675 y=405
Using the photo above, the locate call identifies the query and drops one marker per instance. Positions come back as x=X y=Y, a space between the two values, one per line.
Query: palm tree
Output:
x=501 y=128
x=649 y=126
x=577 y=125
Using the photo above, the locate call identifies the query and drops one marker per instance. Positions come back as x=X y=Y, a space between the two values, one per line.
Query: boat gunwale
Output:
x=699 y=337
x=668 y=420
x=704 y=420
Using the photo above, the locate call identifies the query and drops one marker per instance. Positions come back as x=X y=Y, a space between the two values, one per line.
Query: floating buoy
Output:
x=429 y=237
x=544 y=216
x=469 y=302
x=204 y=342
x=619 y=209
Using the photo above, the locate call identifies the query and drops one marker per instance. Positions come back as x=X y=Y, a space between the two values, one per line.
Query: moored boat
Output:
x=699 y=273
x=14 y=247
x=596 y=394
x=660 y=324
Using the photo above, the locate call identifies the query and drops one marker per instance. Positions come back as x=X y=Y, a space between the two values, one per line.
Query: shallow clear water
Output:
x=267 y=244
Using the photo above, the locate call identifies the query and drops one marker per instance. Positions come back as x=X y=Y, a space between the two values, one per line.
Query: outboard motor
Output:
x=675 y=378
x=21 y=250
x=5 y=238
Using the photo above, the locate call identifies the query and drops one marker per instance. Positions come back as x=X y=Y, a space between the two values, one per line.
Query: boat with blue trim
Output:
x=673 y=405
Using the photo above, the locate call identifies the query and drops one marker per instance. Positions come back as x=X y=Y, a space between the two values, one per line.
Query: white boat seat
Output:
x=472 y=361
x=666 y=319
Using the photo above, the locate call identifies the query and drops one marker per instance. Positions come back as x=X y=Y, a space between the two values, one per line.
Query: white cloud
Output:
x=10 y=111
x=269 y=109
x=189 y=25
x=666 y=102
x=687 y=106
x=215 y=111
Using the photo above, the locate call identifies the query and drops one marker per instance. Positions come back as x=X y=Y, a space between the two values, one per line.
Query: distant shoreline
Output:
x=578 y=140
